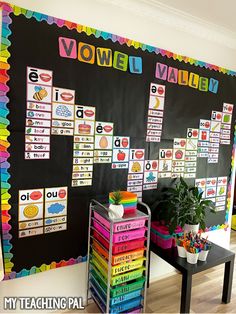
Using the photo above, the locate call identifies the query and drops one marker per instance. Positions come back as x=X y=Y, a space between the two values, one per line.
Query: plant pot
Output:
x=192 y=257
x=116 y=211
x=181 y=251
x=191 y=228
x=203 y=256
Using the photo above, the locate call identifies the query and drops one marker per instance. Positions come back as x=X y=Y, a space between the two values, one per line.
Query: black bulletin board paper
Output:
x=119 y=97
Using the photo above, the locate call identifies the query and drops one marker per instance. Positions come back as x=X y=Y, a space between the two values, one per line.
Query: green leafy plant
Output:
x=184 y=205
x=116 y=197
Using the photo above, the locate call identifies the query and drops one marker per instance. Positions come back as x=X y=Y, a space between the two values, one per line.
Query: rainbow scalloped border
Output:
x=4 y=122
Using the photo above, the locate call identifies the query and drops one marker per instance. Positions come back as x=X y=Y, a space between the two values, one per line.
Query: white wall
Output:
x=70 y=281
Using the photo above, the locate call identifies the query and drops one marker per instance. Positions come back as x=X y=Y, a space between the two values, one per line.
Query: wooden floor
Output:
x=164 y=295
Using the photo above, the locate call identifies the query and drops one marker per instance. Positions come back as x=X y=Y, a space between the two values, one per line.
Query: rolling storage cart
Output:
x=118 y=259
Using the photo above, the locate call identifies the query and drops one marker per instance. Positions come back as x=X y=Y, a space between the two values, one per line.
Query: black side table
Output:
x=216 y=256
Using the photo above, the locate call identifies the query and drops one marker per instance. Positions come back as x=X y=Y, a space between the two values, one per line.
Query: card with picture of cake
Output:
x=84 y=127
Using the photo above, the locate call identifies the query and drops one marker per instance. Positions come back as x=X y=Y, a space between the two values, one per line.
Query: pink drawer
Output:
x=121 y=236
x=129 y=235
x=100 y=229
x=129 y=225
x=102 y=220
x=121 y=226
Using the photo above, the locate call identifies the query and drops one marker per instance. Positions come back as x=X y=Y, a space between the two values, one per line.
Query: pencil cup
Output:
x=192 y=257
x=203 y=256
x=181 y=251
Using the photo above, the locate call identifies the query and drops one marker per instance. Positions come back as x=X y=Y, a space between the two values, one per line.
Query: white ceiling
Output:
x=213 y=20
x=221 y=13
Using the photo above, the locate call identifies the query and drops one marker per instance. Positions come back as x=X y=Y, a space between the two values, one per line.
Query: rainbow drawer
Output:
x=122 y=236
x=99 y=238
x=128 y=246
x=129 y=235
x=124 y=288
x=121 y=258
x=126 y=305
x=105 y=233
x=127 y=287
x=98 y=300
x=116 y=280
x=121 y=268
x=129 y=225
x=100 y=249
x=118 y=299
x=98 y=288
x=121 y=307
x=126 y=297
x=96 y=274
x=135 y=310
x=124 y=267
x=121 y=226
x=119 y=247
x=100 y=267
x=102 y=220
x=128 y=302
x=101 y=260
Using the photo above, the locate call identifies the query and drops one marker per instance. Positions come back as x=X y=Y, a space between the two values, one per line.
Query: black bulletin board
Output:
x=119 y=97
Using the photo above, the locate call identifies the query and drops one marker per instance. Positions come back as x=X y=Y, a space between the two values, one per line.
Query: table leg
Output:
x=228 y=278
x=186 y=292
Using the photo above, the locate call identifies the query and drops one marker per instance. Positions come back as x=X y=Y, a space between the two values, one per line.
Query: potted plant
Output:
x=116 y=210
x=183 y=205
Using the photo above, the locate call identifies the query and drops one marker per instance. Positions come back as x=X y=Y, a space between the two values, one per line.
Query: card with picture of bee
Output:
x=39 y=93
